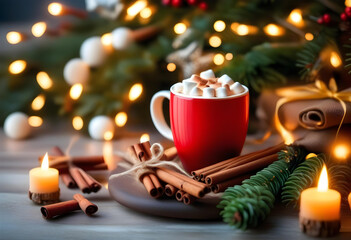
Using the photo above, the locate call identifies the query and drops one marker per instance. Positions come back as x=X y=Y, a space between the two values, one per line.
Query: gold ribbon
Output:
x=318 y=90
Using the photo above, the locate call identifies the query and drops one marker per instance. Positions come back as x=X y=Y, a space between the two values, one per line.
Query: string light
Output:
x=77 y=123
x=135 y=8
x=348 y=3
x=17 y=66
x=295 y=17
x=215 y=41
x=146 y=13
x=171 y=67
x=35 y=121
x=106 y=39
x=218 y=59
x=229 y=56
x=144 y=138
x=335 y=60
x=108 y=135
x=135 y=91
x=76 y=91
x=341 y=152
x=273 y=30
x=55 y=8
x=13 y=37
x=38 y=102
x=219 y=26
x=38 y=29
x=44 y=80
x=242 y=30
x=180 y=28
x=309 y=36
x=121 y=119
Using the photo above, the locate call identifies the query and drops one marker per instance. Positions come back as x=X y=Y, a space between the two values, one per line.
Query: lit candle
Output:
x=319 y=205
x=44 y=183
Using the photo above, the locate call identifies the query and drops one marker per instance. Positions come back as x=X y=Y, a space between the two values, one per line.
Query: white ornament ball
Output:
x=99 y=125
x=16 y=125
x=93 y=52
x=121 y=38
x=76 y=71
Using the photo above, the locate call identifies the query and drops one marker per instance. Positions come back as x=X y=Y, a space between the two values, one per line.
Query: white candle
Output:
x=44 y=179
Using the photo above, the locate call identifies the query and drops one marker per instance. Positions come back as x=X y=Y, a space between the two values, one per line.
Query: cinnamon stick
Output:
x=78 y=178
x=170 y=190
x=179 y=195
x=77 y=160
x=170 y=154
x=221 y=187
x=94 y=185
x=150 y=187
x=188 y=199
x=226 y=174
x=181 y=184
x=84 y=204
x=247 y=157
x=57 y=209
x=157 y=184
x=64 y=167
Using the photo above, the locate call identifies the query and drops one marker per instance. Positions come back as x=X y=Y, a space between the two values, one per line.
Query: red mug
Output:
x=204 y=130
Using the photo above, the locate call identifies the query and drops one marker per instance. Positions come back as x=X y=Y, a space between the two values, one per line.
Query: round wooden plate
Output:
x=132 y=194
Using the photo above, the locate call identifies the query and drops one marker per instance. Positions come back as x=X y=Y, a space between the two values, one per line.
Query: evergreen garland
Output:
x=303 y=177
x=245 y=206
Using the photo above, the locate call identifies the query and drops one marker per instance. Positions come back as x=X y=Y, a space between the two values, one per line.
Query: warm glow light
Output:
x=13 y=37
x=106 y=39
x=77 y=123
x=55 y=8
x=35 y=121
x=144 y=138
x=107 y=151
x=39 y=29
x=135 y=91
x=44 y=80
x=286 y=135
x=335 y=60
x=273 y=30
x=323 y=180
x=341 y=151
x=136 y=7
x=38 y=102
x=295 y=17
x=348 y=3
x=146 y=13
x=229 y=56
x=121 y=119
x=45 y=162
x=171 y=67
x=180 y=28
x=309 y=36
x=218 y=59
x=76 y=91
x=242 y=30
x=108 y=135
x=17 y=66
x=310 y=155
x=219 y=26
x=215 y=41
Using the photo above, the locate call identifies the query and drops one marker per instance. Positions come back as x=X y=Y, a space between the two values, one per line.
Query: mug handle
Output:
x=157 y=114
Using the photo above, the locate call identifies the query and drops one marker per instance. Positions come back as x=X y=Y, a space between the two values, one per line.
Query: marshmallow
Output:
x=208 y=92
x=221 y=92
x=224 y=78
x=178 y=87
x=207 y=74
x=237 y=88
x=215 y=85
x=187 y=86
x=198 y=79
x=196 y=92
x=225 y=81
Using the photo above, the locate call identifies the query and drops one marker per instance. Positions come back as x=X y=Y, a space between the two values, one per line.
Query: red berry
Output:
x=177 y=3
x=166 y=2
x=203 y=5
x=348 y=11
x=326 y=18
x=320 y=20
x=343 y=17
x=192 y=2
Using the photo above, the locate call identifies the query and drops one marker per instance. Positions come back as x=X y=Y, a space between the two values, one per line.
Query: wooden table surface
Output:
x=21 y=219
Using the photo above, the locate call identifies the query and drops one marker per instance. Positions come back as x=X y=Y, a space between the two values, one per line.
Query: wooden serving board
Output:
x=129 y=192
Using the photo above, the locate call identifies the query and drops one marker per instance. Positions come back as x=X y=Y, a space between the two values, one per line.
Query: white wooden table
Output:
x=21 y=219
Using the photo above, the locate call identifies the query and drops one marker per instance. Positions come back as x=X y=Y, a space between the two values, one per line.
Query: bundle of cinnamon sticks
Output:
x=72 y=170
x=233 y=171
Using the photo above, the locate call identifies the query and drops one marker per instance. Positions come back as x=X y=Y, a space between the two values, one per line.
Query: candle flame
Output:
x=144 y=138
x=45 y=162
x=323 y=180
